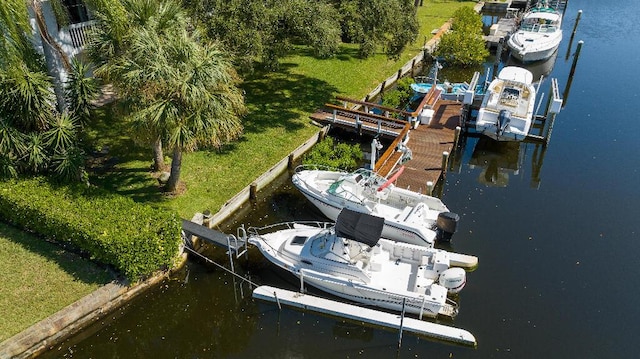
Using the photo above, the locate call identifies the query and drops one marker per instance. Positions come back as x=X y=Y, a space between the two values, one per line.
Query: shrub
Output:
x=136 y=239
x=400 y=96
x=464 y=45
x=341 y=155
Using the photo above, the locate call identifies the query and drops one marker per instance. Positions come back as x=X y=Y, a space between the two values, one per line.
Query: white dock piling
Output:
x=365 y=315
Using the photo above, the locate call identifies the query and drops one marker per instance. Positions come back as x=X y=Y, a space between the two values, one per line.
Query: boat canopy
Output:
x=360 y=227
x=550 y=16
x=517 y=74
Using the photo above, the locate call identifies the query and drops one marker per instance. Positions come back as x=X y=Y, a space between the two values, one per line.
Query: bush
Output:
x=341 y=155
x=136 y=239
x=400 y=96
x=464 y=45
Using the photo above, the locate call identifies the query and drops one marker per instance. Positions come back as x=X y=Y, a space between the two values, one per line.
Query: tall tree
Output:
x=389 y=24
x=263 y=31
x=178 y=88
x=111 y=44
x=464 y=45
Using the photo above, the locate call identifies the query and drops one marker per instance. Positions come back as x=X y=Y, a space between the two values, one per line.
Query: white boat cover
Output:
x=360 y=227
x=514 y=73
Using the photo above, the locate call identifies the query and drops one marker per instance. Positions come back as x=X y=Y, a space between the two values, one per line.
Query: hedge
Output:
x=134 y=238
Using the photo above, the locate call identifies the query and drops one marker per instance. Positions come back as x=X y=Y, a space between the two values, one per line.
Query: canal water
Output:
x=556 y=233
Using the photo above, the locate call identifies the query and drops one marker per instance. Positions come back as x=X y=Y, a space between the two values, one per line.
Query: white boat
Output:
x=507 y=108
x=351 y=261
x=450 y=90
x=409 y=216
x=538 y=35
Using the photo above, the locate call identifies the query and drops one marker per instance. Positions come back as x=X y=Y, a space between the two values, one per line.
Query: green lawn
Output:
x=39 y=278
x=279 y=105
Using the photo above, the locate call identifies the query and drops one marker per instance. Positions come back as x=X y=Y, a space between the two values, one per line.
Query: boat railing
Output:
x=259 y=231
x=308 y=167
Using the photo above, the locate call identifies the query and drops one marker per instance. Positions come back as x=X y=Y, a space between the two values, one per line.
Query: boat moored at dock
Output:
x=507 y=108
x=538 y=35
x=409 y=216
x=351 y=261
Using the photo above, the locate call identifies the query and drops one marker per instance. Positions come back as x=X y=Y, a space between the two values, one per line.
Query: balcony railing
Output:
x=79 y=33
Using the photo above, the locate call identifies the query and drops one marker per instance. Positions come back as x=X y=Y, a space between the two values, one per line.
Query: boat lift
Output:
x=238 y=245
x=553 y=107
x=365 y=315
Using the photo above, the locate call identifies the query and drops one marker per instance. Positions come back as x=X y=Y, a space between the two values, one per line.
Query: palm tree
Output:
x=181 y=91
x=111 y=45
x=34 y=137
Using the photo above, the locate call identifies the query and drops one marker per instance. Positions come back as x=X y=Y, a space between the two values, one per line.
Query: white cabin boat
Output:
x=409 y=216
x=507 y=108
x=538 y=35
x=351 y=261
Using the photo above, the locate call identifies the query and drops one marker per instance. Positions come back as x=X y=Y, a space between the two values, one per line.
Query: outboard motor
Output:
x=446 y=226
x=503 y=121
x=453 y=279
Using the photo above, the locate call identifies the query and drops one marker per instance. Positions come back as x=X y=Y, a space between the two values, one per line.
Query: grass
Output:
x=279 y=106
x=39 y=278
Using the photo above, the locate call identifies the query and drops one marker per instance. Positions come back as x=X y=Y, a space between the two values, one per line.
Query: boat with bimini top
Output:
x=351 y=261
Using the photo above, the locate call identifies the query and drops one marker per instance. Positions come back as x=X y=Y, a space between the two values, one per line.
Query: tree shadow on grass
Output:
x=68 y=259
x=116 y=162
x=274 y=99
x=278 y=99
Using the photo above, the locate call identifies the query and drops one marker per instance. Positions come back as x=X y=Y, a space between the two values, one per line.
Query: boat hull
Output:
x=391 y=230
x=527 y=55
x=373 y=297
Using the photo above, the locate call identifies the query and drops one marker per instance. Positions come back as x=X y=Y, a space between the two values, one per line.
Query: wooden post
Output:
x=429 y=188
x=445 y=161
x=206 y=218
x=290 y=161
x=277 y=300
x=399 y=74
x=456 y=137
x=404 y=300
x=575 y=25
x=566 y=5
x=253 y=190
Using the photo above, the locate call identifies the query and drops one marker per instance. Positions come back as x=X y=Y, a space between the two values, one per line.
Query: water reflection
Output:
x=496 y=160
x=538 y=68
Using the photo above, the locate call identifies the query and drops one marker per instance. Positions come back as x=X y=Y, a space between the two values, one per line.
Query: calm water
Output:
x=556 y=233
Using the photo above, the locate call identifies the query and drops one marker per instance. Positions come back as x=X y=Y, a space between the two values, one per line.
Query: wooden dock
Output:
x=427 y=142
x=364 y=315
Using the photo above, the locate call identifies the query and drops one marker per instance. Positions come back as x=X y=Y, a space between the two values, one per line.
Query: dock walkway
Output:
x=426 y=142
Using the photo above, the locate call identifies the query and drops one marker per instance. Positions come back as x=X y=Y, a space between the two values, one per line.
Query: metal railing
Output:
x=80 y=33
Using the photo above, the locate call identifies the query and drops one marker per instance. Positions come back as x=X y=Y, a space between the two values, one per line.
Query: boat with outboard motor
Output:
x=409 y=216
x=350 y=260
x=538 y=35
x=507 y=108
